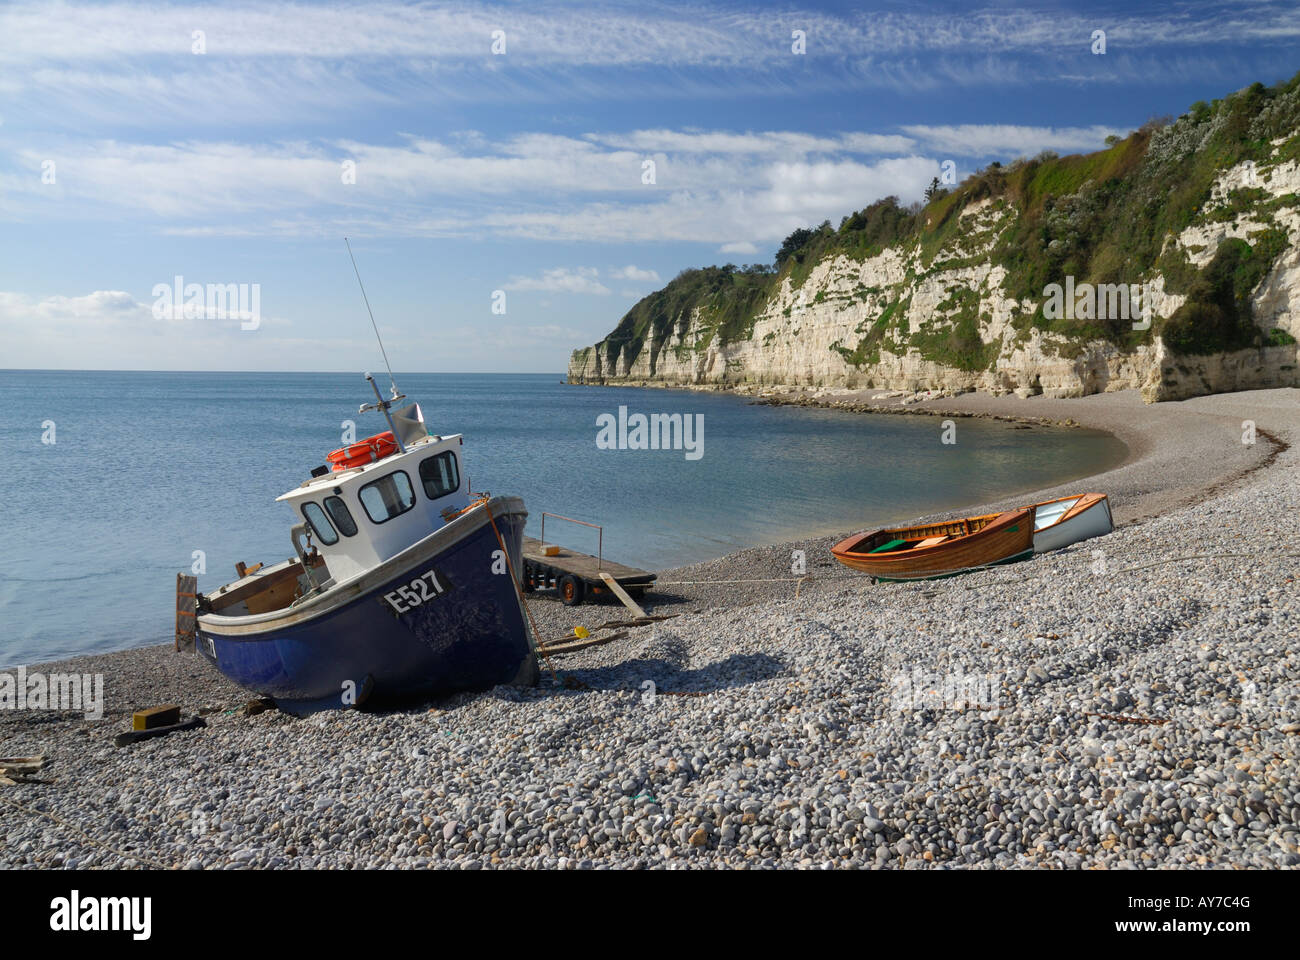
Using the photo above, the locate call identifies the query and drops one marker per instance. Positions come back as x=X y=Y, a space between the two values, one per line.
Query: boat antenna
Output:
x=391 y=381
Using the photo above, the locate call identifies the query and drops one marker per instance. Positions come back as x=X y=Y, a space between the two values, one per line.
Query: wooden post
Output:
x=186 y=594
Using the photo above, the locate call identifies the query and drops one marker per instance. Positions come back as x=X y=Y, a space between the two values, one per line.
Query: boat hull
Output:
x=993 y=540
x=368 y=640
x=1089 y=517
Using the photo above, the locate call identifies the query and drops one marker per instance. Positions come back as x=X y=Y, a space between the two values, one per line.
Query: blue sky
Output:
x=519 y=171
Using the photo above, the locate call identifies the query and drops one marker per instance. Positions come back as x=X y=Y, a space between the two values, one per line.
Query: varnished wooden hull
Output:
x=964 y=544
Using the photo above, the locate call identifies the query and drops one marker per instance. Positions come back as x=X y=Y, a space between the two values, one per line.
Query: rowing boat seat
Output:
x=931 y=542
x=892 y=544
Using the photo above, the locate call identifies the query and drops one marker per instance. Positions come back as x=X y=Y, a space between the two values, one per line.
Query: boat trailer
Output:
x=575 y=576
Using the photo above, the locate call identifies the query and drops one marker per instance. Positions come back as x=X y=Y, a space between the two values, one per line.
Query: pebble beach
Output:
x=1131 y=701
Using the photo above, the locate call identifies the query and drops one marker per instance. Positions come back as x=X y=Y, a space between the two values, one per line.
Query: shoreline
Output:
x=1166 y=468
x=790 y=704
x=1154 y=444
x=1157 y=438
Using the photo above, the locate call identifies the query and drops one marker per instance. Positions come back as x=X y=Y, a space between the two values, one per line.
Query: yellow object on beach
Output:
x=581 y=633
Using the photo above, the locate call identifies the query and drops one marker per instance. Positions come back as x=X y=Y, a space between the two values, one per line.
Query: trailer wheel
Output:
x=572 y=590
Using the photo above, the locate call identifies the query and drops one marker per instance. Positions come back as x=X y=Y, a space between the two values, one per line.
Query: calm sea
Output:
x=148 y=468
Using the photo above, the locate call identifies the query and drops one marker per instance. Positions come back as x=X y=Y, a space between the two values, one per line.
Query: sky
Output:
x=513 y=177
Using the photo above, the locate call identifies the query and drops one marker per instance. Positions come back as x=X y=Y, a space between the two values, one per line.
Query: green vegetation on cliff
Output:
x=729 y=297
x=1107 y=217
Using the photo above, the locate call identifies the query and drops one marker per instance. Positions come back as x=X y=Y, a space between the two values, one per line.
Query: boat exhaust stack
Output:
x=382 y=405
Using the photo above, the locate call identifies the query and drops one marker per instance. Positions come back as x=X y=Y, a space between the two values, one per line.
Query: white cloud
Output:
x=111 y=329
x=875 y=143
x=101 y=314
x=561 y=280
x=1009 y=140
x=529 y=185
x=768 y=143
x=555 y=332
x=785 y=196
x=446 y=33
x=635 y=274
x=131 y=63
x=105 y=307
x=205 y=178
x=743 y=246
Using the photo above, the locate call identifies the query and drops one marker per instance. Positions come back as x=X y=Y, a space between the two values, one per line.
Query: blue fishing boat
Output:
x=403 y=583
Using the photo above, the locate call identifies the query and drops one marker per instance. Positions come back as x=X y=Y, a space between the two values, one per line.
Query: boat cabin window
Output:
x=320 y=524
x=341 y=515
x=388 y=496
x=439 y=475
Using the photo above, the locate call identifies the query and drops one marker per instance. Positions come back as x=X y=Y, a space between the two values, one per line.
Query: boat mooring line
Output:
x=960 y=570
x=1210 y=556
x=538 y=646
x=1144 y=566
x=673 y=583
x=800 y=580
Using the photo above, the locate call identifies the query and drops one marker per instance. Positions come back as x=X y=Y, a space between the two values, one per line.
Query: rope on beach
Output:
x=89 y=839
x=1141 y=566
x=1210 y=556
x=1166 y=560
x=795 y=580
x=961 y=570
x=537 y=637
x=673 y=583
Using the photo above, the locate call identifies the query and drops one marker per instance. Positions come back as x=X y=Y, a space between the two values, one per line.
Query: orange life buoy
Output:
x=363 y=451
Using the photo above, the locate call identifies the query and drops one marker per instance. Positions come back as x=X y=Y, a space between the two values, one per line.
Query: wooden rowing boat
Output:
x=955 y=546
x=940 y=549
x=1059 y=523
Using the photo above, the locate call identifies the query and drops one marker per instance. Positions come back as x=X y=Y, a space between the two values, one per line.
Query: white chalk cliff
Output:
x=811 y=334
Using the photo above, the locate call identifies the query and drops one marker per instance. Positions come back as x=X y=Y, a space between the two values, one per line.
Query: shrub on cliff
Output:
x=1217 y=315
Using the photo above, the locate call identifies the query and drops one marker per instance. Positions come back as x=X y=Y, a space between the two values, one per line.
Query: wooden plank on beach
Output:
x=135 y=736
x=21 y=764
x=161 y=716
x=622 y=595
x=572 y=645
x=20 y=767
